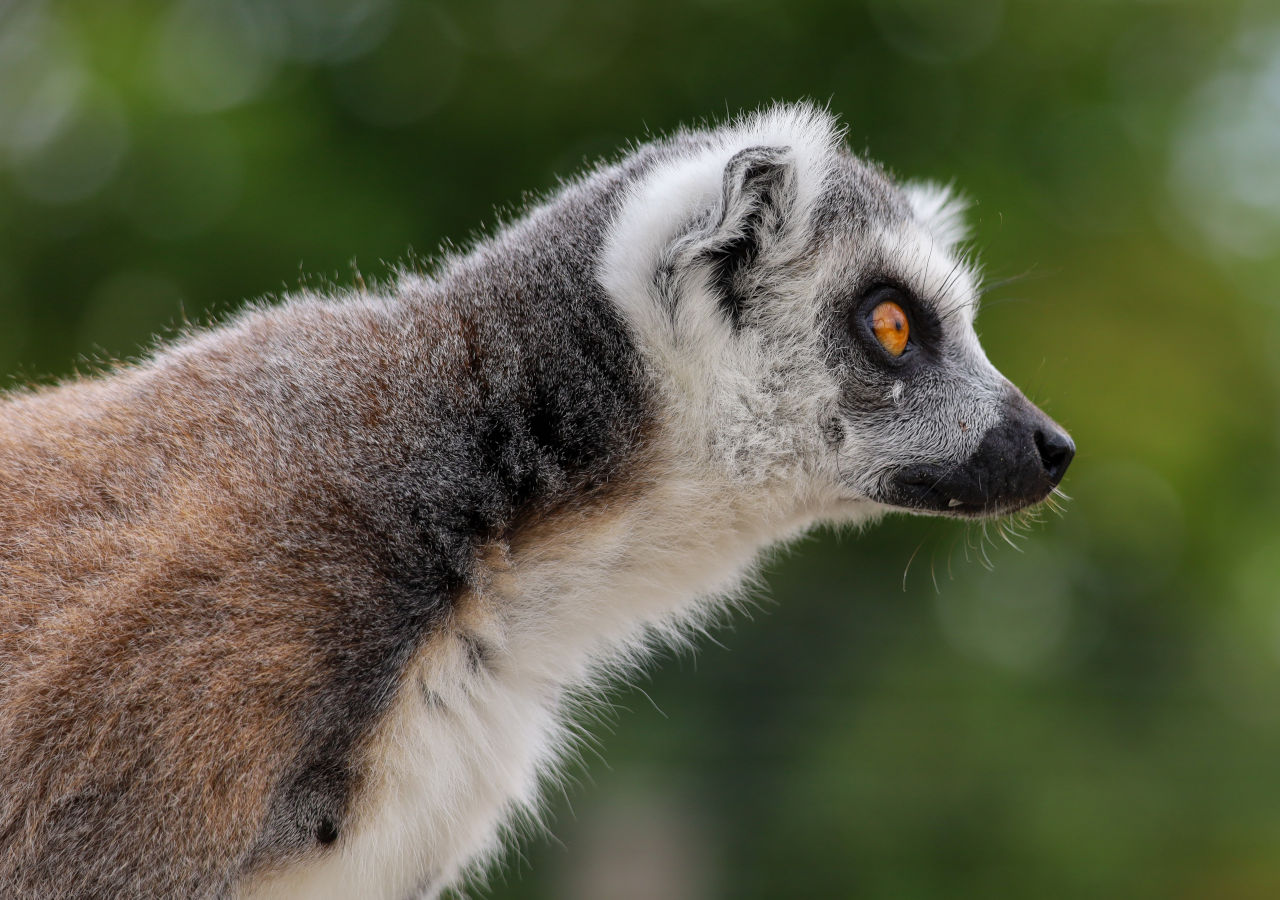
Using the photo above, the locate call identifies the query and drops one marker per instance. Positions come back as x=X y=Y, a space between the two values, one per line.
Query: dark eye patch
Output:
x=924 y=326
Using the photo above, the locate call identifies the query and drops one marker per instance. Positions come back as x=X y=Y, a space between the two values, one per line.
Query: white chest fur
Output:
x=481 y=718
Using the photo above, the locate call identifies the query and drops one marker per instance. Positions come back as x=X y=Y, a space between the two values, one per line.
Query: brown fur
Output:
x=174 y=575
x=151 y=634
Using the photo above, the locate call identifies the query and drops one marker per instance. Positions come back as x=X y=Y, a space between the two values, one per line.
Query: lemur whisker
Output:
x=989 y=285
x=910 y=560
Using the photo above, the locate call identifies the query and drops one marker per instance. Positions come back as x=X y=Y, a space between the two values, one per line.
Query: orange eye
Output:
x=889 y=323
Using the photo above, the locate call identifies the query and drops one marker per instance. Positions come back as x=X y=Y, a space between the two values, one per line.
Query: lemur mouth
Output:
x=957 y=491
x=1019 y=463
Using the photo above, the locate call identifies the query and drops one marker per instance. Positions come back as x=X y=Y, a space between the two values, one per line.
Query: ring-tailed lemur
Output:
x=293 y=607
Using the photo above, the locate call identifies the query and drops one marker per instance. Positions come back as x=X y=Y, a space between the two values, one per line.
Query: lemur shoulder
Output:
x=294 y=606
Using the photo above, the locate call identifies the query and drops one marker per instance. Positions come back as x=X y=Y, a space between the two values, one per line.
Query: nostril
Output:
x=1056 y=452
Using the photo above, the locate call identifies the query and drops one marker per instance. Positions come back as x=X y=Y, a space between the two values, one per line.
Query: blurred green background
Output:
x=915 y=712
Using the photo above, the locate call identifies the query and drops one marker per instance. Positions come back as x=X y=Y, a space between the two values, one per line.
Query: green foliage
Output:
x=1095 y=713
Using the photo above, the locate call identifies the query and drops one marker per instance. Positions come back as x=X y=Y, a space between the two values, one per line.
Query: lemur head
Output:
x=811 y=323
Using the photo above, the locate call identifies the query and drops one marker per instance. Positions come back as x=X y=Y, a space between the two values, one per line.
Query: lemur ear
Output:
x=758 y=186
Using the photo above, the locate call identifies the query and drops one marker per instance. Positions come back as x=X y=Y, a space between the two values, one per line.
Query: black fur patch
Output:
x=326 y=832
x=754 y=180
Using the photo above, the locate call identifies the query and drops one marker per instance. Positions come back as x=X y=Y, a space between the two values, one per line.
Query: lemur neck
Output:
x=591 y=588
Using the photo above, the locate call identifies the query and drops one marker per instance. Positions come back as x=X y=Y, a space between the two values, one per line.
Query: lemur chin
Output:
x=295 y=606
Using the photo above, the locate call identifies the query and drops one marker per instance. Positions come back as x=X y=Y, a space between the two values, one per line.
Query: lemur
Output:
x=297 y=605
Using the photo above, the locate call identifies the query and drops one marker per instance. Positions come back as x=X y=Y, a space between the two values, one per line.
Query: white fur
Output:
x=941 y=209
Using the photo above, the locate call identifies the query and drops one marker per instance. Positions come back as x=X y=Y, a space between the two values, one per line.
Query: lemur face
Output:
x=924 y=421
x=813 y=322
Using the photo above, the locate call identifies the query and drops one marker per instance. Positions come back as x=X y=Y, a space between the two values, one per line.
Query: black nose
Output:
x=1056 y=452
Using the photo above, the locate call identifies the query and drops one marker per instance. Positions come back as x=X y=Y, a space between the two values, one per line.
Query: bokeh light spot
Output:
x=1226 y=160
x=80 y=158
x=211 y=55
x=335 y=30
x=42 y=76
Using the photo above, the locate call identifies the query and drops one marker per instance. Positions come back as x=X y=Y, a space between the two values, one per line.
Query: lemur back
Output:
x=295 y=606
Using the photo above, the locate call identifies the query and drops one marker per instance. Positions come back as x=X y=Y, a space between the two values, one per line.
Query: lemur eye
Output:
x=890 y=326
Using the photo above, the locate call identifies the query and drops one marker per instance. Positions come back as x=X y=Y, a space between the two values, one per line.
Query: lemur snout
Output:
x=1019 y=461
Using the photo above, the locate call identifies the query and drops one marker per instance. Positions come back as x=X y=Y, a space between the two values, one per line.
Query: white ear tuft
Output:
x=940 y=209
